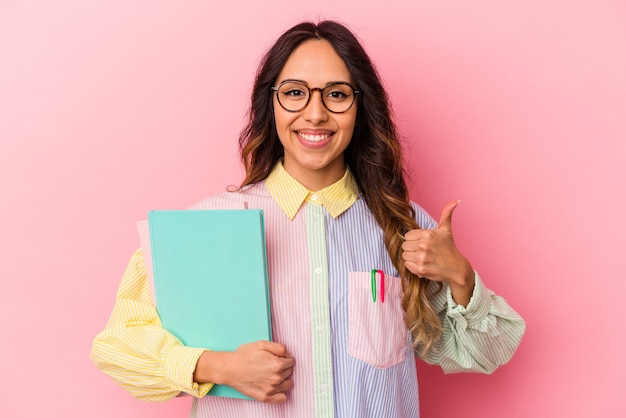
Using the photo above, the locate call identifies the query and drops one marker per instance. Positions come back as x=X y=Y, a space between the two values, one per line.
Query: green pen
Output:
x=374 y=285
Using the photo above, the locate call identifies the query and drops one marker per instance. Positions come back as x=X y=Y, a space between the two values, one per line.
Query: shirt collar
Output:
x=290 y=194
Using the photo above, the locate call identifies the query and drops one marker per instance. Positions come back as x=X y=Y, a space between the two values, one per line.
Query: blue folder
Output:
x=210 y=278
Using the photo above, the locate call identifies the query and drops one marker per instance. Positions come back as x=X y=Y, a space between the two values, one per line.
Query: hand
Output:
x=432 y=254
x=260 y=370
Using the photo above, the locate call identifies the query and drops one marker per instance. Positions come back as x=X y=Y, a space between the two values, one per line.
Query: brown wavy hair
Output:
x=374 y=156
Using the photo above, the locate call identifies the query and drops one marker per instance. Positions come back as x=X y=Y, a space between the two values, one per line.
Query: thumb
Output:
x=445 y=220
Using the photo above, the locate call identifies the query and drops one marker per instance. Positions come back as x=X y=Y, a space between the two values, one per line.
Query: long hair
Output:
x=374 y=156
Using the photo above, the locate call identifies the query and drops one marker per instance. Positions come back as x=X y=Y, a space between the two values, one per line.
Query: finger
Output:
x=410 y=246
x=277 y=349
x=445 y=220
x=287 y=363
x=275 y=398
x=284 y=386
x=415 y=235
x=278 y=395
x=286 y=373
x=415 y=268
x=282 y=356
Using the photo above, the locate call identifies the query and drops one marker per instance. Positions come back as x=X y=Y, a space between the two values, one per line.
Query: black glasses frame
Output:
x=311 y=90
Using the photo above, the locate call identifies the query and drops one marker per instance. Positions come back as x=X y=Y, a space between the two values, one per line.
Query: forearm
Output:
x=135 y=350
x=462 y=285
x=209 y=368
x=148 y=362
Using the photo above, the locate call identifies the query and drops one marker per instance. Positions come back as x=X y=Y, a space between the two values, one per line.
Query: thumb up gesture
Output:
x=433 y=255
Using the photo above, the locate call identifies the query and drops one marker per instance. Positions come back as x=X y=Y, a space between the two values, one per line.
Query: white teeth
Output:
x=314 y=138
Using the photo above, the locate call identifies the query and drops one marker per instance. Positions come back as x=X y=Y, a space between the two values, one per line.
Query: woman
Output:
x=323 y=161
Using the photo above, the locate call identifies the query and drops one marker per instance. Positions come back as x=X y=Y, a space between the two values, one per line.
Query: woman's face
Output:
x=314 y=139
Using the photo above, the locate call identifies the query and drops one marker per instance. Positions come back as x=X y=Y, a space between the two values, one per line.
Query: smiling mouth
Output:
x=314 y=138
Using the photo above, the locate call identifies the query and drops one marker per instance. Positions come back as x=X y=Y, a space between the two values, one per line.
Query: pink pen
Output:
x=382 y=286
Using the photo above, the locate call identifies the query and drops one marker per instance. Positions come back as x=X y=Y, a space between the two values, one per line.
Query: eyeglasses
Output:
x=293 y=96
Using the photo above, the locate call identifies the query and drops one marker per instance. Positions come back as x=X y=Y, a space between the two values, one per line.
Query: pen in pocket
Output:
x=382 y=285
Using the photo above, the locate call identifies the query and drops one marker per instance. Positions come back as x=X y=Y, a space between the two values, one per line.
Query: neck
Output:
x=316 y=180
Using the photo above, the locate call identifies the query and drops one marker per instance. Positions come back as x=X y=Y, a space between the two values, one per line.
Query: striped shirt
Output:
x=353 y=355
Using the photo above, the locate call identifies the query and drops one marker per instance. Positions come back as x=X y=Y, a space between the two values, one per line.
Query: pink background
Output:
x=109 y=109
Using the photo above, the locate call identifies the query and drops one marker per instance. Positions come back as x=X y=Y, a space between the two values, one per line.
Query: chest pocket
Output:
x=377 y=333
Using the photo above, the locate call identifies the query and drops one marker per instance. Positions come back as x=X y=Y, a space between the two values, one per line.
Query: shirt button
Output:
x=318 y=270
x=324 y=388
x=320 y=329
x=313 y=197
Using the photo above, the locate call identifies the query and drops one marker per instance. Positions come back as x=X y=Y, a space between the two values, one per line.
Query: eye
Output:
x=294 y=93
x=338 y=93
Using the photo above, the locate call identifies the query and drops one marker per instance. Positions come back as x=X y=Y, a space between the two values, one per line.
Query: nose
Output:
x=315 y=111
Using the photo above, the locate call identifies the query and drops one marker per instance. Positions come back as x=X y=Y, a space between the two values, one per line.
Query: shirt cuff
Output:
x=179 y=367
x=476 y=310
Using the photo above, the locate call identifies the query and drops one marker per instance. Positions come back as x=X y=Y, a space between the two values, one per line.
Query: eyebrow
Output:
x=307 y=84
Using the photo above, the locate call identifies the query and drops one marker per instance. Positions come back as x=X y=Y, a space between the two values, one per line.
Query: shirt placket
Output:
x=320 y=311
